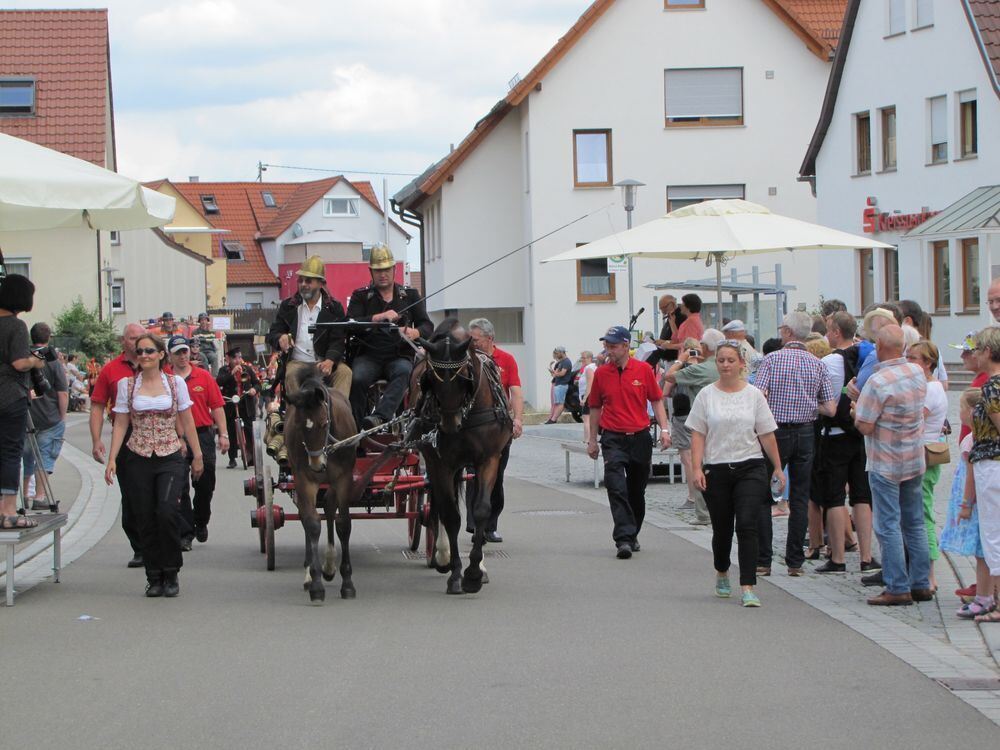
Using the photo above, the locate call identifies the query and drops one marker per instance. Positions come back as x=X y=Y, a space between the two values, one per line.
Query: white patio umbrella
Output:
x=45 y=189
x=717 y=231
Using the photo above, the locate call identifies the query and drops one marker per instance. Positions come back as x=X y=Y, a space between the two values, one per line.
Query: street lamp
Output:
x=111 y=284
x=629 y=189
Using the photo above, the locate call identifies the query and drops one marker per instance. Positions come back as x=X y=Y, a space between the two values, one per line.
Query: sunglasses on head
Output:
x=148 y=350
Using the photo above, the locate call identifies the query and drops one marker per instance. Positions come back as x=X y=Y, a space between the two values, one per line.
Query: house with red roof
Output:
x=271 y=227
x=55 y=90
x=695 y=99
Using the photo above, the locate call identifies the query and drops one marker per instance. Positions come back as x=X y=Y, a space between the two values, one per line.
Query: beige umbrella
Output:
x=717 y=231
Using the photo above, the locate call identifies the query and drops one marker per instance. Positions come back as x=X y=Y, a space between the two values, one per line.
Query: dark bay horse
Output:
x=316 y=418
x=464 y=409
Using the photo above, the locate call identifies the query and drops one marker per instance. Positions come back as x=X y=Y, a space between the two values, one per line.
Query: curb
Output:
x=964 y=572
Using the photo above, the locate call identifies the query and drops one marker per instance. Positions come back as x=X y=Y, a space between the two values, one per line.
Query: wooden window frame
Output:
x=865 y=252
x=581 y=297
x=698 y=5
x=883 y=113
x=890 y=293
x=967 y=304
x=940 y=306
x=858 y=118
x=965 y=149
x=606 y=132
x=705 y=122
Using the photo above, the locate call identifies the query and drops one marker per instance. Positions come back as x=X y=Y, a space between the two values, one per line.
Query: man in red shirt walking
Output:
x=618 y=406
x=209 y=417
x=483 y=334
x=104 y=392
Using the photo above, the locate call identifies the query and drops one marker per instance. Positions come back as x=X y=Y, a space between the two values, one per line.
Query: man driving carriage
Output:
x=380 y=352
x=289 y=333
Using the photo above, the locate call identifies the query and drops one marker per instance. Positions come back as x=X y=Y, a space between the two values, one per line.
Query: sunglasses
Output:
x=147 y=350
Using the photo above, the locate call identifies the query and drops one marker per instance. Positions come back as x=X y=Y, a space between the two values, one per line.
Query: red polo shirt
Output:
x=622 y=395
x=205 y=396
x=508 y=368
x=106 y=388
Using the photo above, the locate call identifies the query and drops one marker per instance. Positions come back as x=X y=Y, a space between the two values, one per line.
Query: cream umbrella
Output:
x=716 y=231
x=45 y=189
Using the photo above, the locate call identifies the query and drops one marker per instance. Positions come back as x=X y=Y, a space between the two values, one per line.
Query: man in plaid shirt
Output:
x=890 y=414
x=798 y=389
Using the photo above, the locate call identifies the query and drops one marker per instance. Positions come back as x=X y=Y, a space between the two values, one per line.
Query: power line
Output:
x=261 y=167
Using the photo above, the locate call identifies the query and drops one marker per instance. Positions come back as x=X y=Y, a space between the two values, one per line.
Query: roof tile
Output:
x=987 y=16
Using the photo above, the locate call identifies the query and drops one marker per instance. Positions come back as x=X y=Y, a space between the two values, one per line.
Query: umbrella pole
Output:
x=718 y=288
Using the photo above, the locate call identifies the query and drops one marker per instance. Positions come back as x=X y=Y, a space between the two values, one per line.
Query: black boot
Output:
x=170 y=586
x=154 y=584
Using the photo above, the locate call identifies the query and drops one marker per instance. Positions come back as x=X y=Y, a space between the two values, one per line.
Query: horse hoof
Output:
x=316 y=597
x=305 y=586
x=348 y=593
x=471 y=585
x=486 y=577
x=442 y=568
x=455 y=587
x=328 y=576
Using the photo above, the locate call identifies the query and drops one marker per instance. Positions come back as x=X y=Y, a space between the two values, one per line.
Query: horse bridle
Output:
x=326 y=442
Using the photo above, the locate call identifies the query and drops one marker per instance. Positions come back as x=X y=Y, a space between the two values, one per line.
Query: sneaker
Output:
x=722 y=588
x=795 y=572
x=699 y=522
x=979 y=606
x=968 y=593
x=39 y=504
x=871 y=567
x=688 y=505
x=831 y=567
x=186 y=543
x=635 y=546
x=136 y=561
x=875 y=579
x=750 y=599
x=764 y=570
x=624 y=551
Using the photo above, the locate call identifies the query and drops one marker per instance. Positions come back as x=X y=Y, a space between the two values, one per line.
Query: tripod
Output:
x=41 y=475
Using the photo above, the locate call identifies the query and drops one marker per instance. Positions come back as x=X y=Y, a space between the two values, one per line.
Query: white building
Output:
x=695 y=98
x=910 y=127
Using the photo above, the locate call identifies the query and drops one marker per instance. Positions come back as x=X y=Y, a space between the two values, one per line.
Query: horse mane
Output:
x=444 y=329
x=306 y=396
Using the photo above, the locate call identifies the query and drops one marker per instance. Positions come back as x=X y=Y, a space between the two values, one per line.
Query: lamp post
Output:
x=111 y=283
x=629 y=189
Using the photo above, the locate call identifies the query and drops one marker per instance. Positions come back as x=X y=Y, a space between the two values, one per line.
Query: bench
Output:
x=48 y=523
x=581 y=448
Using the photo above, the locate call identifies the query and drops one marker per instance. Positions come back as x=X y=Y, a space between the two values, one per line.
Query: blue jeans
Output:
x=898 y=510
x=49 y=445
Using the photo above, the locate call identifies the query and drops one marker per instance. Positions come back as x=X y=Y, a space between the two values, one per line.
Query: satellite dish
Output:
x=297 y=230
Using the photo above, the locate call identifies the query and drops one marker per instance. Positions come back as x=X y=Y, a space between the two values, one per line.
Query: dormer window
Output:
x=208 y=203
x=268 y=199
x=233 y=250
x=17 y=96
x=349 y=207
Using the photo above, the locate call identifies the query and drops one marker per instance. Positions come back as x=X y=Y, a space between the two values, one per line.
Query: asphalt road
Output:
x=566 y=647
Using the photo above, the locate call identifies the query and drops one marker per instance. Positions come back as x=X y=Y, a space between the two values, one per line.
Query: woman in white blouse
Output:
x=157 y=408
x=924 y=354
x=729 y=422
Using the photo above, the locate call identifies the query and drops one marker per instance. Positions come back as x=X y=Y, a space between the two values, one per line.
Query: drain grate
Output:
x=498 y=554
x=971 y=683
x=551 y=512
x=414 y=555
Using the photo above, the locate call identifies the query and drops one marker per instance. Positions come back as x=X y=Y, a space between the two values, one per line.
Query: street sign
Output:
x=617 y=263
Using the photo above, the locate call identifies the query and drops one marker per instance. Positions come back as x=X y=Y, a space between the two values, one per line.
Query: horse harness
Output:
x=498 y=412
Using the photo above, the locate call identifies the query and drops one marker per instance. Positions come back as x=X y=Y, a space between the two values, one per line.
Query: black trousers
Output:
x=154 y=493
x=496 y=499
x=247 y=412
x=130 y=525
x=626 y=472
x=734 y=494
x=796 y=446
x=365 y=370
x=13 y=427
x=204 y=487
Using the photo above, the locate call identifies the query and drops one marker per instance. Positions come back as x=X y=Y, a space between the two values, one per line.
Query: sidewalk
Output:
x=926 y=635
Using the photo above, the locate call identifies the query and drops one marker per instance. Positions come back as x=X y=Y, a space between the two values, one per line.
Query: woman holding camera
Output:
x=158 y=408
x=17 y=295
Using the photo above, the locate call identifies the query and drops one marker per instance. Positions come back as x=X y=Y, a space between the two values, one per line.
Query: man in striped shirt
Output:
x=798 y=389
x=890 y=414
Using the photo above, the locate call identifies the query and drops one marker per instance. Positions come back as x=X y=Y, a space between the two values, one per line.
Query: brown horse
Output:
x=318 y=416
x=463 y=411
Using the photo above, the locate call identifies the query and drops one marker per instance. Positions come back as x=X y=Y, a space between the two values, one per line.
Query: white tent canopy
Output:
x=44 y=189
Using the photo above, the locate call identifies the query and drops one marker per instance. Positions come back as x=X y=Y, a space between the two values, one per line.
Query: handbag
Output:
x=936 y=454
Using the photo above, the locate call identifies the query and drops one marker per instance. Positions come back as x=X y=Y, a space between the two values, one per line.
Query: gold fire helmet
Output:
x=381 y=258
x=312 y=267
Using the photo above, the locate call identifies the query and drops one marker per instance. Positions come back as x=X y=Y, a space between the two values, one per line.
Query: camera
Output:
x=694 y=353
x=39 y=383
x=44 y=351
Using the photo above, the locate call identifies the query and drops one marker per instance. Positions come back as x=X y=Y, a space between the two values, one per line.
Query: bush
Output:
x=97 y=337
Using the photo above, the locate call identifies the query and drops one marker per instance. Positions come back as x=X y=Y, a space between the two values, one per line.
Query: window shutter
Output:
x=703 y=192
x=939 y=120
x=967 y=96
x=925 y=13
x=897 y=16
x=704 y=92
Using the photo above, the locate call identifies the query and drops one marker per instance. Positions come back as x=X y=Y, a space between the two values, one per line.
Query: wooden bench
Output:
x=48 y=523
x=671 y=464
x=581 y=448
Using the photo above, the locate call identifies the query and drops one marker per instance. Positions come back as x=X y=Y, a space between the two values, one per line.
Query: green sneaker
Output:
x=750 y=599
x=722 y=587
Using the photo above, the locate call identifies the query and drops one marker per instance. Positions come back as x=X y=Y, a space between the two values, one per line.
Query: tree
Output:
x=97 y=337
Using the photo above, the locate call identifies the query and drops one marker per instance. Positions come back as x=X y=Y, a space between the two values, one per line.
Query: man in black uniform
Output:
x=248 y=386
x=381 y=353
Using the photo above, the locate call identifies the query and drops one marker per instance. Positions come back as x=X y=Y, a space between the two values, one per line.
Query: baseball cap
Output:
x=177 y=343
x=616 y=335
x=968 y=343
x=734 y=325
x=202 y=316
x=167 y=316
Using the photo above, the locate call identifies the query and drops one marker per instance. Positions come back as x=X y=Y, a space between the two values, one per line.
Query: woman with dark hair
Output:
x=158 y=408
x=17 y=295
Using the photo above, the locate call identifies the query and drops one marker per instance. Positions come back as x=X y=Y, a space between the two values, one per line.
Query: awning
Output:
x=977 y=211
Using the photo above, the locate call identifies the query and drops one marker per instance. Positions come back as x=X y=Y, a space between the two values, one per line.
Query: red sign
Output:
x=873 y=222
x=341 y=278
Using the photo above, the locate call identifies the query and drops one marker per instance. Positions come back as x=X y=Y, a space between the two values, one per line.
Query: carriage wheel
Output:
x=258 y=470
x=269 y=518
x=414 y=509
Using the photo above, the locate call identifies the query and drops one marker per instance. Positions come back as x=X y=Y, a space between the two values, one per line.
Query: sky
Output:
x=212 y=87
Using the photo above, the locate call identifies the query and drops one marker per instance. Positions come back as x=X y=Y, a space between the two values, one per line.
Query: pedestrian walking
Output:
x=730 y=422
x=619 y=398
x=798 y=389
x=157 y=408
x=48 y=416
x=238 y=379
x=561 y=370
x=889 y=414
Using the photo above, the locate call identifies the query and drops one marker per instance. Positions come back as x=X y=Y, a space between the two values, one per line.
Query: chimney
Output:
x=193 y=178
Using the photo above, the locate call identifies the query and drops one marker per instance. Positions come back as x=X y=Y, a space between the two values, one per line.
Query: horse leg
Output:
x=313 y=529
x=330 y=558
x=308 y=555
x=486 y=474
x=441 y=558
x=343 y=484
